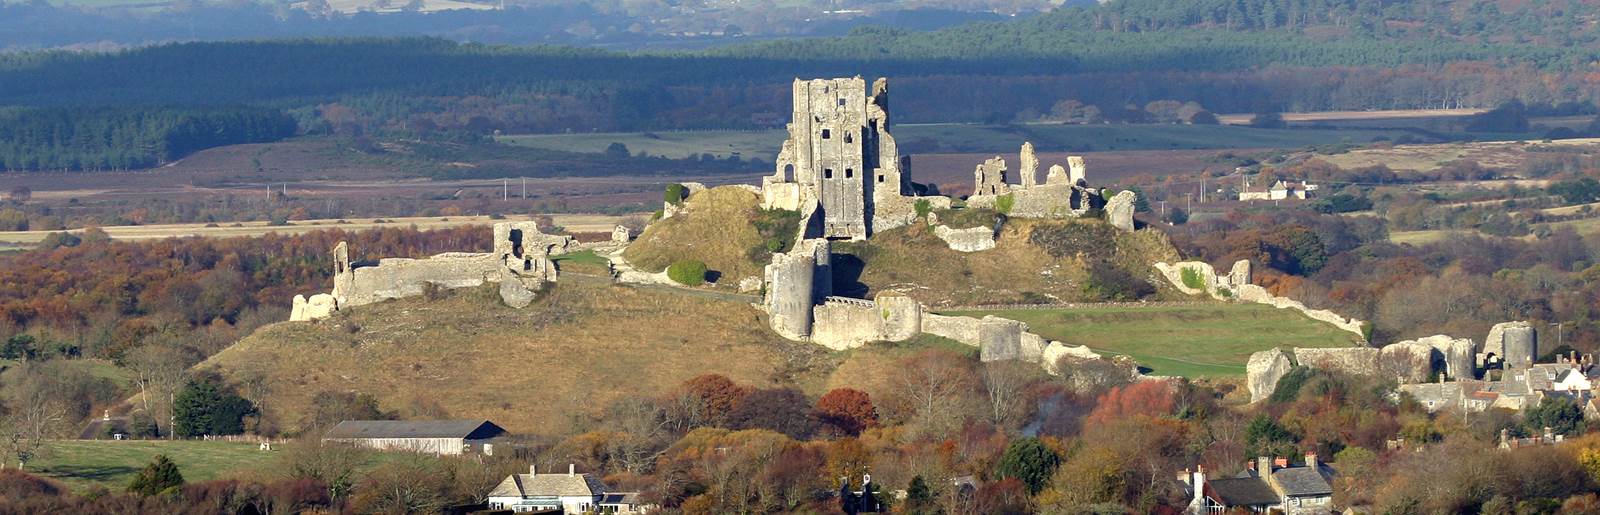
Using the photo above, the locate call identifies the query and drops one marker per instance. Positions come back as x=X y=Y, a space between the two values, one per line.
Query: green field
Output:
x=1205 y=340
x=960 y=138
x=81 y=464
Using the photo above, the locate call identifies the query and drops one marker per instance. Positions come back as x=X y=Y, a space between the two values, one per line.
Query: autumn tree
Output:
x=784 y=410
x=846 y=411
x=1145 y=398
x=717 y=395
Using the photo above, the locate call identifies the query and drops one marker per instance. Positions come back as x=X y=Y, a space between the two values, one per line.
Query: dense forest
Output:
x=123 y=138
x=1245 y=56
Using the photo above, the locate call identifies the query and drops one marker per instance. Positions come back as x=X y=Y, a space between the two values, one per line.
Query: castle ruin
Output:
x=520 y=263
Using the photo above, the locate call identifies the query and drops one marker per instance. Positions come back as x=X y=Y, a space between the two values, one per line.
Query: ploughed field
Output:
x=1196 y=340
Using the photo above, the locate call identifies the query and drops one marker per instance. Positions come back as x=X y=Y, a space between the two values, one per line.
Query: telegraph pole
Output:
x=524 y=188
x=505 y=190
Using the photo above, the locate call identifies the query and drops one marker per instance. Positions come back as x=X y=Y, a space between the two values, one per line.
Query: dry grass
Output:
x=571 y=353
x=914 y=261
x=715 y=227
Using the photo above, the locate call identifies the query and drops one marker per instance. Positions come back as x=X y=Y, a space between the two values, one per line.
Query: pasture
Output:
x=1200 y=340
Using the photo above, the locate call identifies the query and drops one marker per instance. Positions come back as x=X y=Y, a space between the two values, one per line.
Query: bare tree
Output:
x=36 y=411
x=931 y=384
x=331 y=464
x=1004 y=381
x=643 y=427
x=159 y=371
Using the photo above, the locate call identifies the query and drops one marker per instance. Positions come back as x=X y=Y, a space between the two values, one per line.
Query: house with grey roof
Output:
x=571 y=492
x=1265 y=486
x=442 y=437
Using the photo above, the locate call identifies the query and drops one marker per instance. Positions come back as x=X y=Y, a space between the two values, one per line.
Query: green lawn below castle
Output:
x=1200 y=340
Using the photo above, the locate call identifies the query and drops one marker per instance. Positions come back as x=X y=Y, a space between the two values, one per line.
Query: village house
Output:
x=1280 y=190
x=571 y=492
x=1266 y=485
x=442 y=437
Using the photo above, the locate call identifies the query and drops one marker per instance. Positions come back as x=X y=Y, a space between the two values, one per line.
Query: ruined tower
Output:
x=839 y=155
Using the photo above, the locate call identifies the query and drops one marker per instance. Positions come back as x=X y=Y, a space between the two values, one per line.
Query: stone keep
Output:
x=839 y=153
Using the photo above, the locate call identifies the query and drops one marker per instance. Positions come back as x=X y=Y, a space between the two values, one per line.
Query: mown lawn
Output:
x=81 y=464
x=1206 y=340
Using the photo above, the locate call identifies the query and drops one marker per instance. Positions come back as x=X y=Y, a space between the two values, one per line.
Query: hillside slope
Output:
x=722 y=227
x=570 y=354
x=913 y=261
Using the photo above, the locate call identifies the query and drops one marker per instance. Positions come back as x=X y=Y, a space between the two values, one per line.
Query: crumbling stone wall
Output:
x=973 y=239
x=1000 y=338
x=1357 y=361
x=1237 y=286
x=1512 y=345
x=1030 y=166
x=520 y=263
x=844 y=323
x=989 y=178
x=1263 y=372
x=1119 y=210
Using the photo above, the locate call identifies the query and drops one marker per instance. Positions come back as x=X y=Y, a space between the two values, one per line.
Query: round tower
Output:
x=1521 y=347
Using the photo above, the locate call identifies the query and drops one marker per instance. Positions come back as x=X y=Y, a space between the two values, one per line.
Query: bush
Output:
x=159 y=476
x=1191 y=278
x=1004 y=203
x=675 y=194
x=687 y=272
x=923 y=208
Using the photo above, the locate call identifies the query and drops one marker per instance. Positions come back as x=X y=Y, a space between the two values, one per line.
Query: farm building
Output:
x=425 y=436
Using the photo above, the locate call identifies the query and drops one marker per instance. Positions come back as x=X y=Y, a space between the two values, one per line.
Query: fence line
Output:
x=1068 y=305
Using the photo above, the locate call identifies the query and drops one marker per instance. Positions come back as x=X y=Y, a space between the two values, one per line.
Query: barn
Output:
x=425 y=436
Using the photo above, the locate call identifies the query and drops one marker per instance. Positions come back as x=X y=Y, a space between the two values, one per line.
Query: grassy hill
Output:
x=722 y=227
x=1204 y=340
x=914 y=261
x=581 y=346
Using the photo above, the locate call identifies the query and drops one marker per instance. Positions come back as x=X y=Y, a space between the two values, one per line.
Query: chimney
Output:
x=571 y=469
x=1311 y=460
x=1199 y=486
x=1263 y=466
x=1250 y=465
x=1280 y=462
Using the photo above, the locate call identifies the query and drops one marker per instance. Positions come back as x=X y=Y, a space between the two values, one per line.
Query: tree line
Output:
x=80 y=138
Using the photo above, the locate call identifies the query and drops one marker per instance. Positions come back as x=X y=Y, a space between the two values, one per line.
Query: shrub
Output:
x=1224 y=293
x=157 y=477
x=1004 y=203
x=1191 y=278
x=923 y=207
x=687 y=272
x=675 y=194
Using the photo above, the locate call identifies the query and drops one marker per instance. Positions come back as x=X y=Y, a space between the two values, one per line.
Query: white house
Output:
x=426 y=436
x=570 y=492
